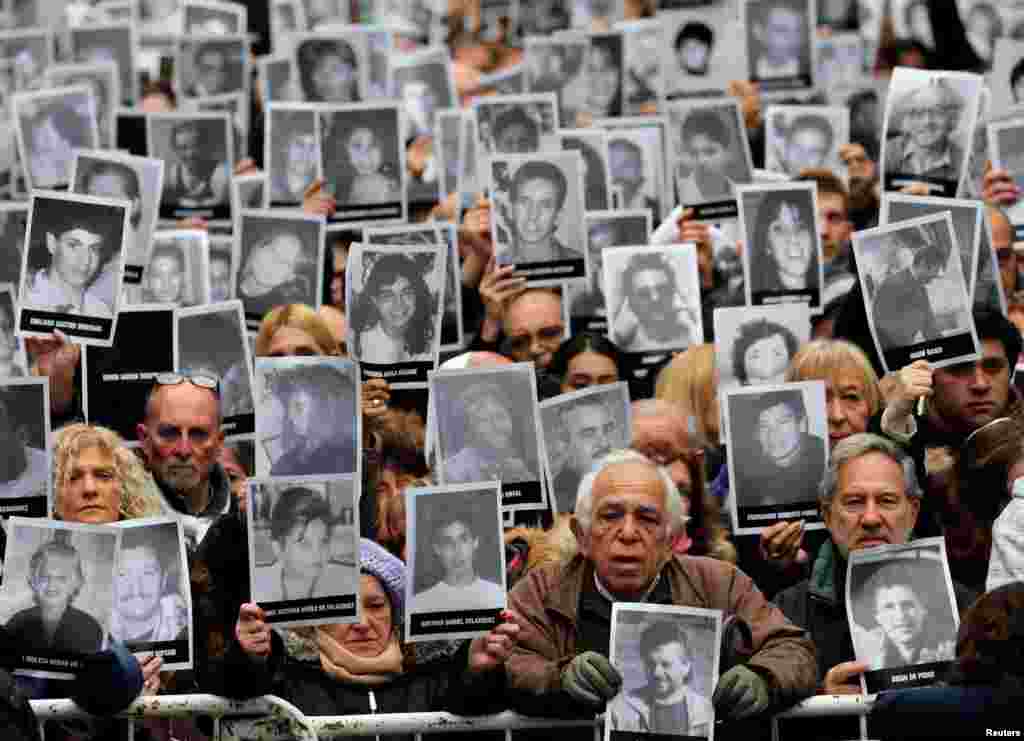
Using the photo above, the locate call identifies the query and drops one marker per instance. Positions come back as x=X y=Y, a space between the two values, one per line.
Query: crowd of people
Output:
x=641 y=508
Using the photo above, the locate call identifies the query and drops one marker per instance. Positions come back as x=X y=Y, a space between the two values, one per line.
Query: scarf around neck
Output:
x=341 y=664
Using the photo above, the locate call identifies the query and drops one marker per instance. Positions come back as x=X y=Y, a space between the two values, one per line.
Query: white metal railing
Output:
x=277 y=716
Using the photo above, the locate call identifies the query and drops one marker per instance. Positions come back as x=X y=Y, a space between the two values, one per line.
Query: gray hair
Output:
x=644 y=408
x=585 y=493
x=860 y=445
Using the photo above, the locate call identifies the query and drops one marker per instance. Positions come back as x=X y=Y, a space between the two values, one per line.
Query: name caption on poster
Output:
x=783 y=515
x=66 y=663
x=457 y=622
x=391 y=373
x=927 y=351
x=64 y=324
x=310 y=609
x=130 y=376
x=912 y=677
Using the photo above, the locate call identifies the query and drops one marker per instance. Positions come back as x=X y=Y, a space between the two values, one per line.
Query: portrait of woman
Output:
x=393 y=318
x=164 y=281
x=362 y=159
x=328 y=71
x=604 y=76
x=276 y=269
x=782 y=258
x=294 y=155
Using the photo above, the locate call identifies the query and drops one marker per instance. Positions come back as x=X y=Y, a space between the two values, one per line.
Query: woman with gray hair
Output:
x=926 y=118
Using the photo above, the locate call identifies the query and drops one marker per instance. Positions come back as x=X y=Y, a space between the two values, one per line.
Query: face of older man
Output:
x=591 y=430
x=628 y=541
x=871 y=506
x=929 y=118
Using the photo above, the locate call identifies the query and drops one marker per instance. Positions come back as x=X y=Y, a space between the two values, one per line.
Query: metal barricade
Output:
x=281 y=717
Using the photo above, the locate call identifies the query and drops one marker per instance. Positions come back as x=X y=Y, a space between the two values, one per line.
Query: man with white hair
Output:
x=629 y=513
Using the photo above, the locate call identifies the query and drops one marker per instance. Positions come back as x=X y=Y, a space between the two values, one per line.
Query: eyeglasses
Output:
x=546 y=336
x=203 y=380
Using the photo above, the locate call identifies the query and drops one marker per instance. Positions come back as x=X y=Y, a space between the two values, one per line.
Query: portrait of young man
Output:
x=454 y=525
x=537 y=202
x=780 y=458
x=71 y=241
x=779 y=39
x=198 y=168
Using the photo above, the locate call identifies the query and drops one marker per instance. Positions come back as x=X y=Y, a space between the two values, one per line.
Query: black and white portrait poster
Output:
x=783 y=258
x=279 y=255
x=214 y=17
x=277 y=79
x=394 y=305
x=138 y=180
x=50 y=125
x=780 y=43
x=222 y=272
x=73 y=266
x=363 y=161
x=512 y=124
x=116 y=380
x=652 y=297
x=286 y=17
x=13 y=227
x=211 y=340
x=199 y=153
x=1006 y=78
x=292 y=151
x=638 y=160
x=304 y=549
x=592 y=144
x=110 y=42
x=580 y=428
x=456 y=583
x=669 y=661
x=308 y=419
x=234 y=104
x=1006 y=150
x=13 y=358
x=59 y=593
x=778 y=439
x=642 y=41
x=447 y=147
x=558 y=65
x=839 y=16
x=153 y=613
x=843 y=62
x=754 y=345
x=488 y=428
x=26 y=487
x=915 y=294
x=929 y=126
x=423 y=81
x=469 y=180
x=902 y=612
x=701 y=51
x=604 y=74
x=712 y=156
x=537 y=215
x=104 y=80
x=333 y=67
x=177 y=271
x=432 y=233
x=212 y=64
x=799 y=138
x=31 y=50
x=615 y=228
x=969 y=219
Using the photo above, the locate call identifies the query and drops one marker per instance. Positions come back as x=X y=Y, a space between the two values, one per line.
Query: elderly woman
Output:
x=359 y=668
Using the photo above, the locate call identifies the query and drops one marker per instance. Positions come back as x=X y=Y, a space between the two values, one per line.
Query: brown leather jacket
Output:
x=548 y=597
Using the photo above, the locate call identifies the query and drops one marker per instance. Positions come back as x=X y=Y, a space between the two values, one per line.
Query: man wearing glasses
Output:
x=927 y=117
x=181 y=439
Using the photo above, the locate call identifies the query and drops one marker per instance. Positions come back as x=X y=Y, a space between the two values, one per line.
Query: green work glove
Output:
x=741 y=693
x=591 y=679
